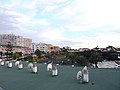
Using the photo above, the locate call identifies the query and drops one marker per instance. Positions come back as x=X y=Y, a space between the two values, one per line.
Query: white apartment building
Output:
x=5 y=38
x=27 y=42
x=15 y=40
x=45 y=47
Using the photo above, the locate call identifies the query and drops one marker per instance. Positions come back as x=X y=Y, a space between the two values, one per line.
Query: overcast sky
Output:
x=74 y=23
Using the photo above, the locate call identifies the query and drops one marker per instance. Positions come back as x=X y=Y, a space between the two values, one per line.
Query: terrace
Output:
x=100 y=79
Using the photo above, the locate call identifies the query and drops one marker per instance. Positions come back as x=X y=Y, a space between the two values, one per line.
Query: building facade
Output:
x=19 y=43
x=15 y=40
x=24 y=50
x=47 y=48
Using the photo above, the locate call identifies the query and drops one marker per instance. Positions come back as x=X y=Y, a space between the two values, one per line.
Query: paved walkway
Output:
x=100 y=79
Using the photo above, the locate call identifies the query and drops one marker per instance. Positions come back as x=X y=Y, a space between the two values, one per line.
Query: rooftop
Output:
x=100 y=79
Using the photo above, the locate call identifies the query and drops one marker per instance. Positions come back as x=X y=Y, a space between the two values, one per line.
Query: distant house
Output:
x=67 y=48
x=111 y=48
x=83 y=49
x=47 y=48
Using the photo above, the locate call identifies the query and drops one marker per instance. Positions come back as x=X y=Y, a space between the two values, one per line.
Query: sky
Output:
x=73 y=23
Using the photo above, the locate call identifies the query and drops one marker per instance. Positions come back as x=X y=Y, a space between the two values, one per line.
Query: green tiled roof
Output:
x=100 y=79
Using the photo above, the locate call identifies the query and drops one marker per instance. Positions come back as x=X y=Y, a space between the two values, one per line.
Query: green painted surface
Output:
x=100 y=79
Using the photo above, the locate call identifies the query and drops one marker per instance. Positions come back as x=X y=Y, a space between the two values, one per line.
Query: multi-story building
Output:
x=53 y=48
x=5 y=38
x=15 y=40
x=45 y=47
x=27 y=42
x=19 y=44
x=24 y=50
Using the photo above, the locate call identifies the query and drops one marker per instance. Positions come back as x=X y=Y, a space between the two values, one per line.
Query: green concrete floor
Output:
x=100 y=79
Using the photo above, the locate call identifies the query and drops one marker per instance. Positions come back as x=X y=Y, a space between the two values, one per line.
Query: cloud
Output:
x=68 y=10
x=77 y=28
x=49 y=8
x=86 y=15
x=102 y=39
x=43 y=22
x=77 y=23
x=7 y=21
x=51 y=33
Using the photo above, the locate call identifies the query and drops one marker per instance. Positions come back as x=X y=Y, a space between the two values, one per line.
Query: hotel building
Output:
x=15 y=40
x=47 y=48
x=19 y=43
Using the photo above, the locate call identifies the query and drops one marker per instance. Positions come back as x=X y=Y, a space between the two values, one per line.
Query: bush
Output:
x=29 y=58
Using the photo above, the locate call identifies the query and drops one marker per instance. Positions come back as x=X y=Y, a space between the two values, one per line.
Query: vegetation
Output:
x=39 y=53
x=1 y=53
x=95 y=58
x=64 y=56
x=15 y=56
x=81 y=60
x=29 y=58
x=9 y=51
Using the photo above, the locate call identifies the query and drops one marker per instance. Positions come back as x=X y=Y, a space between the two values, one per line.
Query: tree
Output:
x=95 y=57
x=1 y=53
x=15 y=55
x=81 y=60
x=9 y=50
x=38 y=52
x=71 y=56
x=29 y=58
